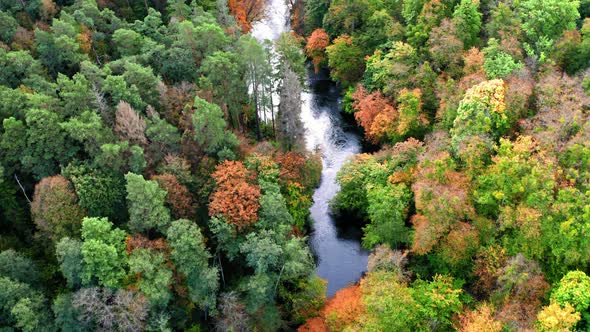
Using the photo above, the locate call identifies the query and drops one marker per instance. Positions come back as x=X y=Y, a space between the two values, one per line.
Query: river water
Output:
x=339 y=256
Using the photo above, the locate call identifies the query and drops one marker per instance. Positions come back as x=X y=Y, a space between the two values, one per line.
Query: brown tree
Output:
x=55 y=208
x=178 y=199
x=235 y=198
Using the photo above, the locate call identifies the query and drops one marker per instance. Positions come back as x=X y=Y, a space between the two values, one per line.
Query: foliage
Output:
x=316 y=47
x=103 y=253
x=145 y=201
x=554 y=317
x=55 y=208
x=234 y=197
x=191 y=259
x=572 y=290
x=345 y=60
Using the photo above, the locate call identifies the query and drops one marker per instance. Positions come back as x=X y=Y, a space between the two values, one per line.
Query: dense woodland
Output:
x=150 y=179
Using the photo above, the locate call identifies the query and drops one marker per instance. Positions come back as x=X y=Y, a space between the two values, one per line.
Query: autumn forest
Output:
x=156 y=172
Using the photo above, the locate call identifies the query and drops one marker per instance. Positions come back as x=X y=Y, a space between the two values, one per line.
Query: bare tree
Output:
x=233 y=316
x=129 y=125
x=290 y=130
x=109 y=311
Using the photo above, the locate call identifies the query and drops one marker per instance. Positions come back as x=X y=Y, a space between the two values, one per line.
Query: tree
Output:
x=572 y=289
x=129 y=125
x=100 y=193
x=41 y=146
x=18 y=267
x=389 y=304
x=316 y=47
x=445 y=46
x=191 y=259
x=209 y=127
x=154 y=276
x=222 y=70
x=234 y=198
x=246 y=12
x=345 y=58
x=145 y=201
x=103 y=251
x=555 y=317
x=103 y=308
x=55 y=209
x=467 y=19
x=387 y=211
x=438 y=301
x=482 y=112
x=8 y=27
x=290 y=130
x=70 y=259
x=497 y=63
x=22 y=307
x=178 y=198
x=480 y=319
x=546 y=19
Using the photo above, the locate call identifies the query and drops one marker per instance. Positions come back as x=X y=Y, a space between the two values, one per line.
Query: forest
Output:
x=154 y=174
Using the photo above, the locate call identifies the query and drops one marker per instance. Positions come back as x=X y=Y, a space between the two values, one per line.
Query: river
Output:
x=340 y=258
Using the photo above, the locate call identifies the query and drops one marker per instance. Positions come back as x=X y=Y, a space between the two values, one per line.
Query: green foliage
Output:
x=145 y=201
x=154 y=276
x=345 y=58
x=467 y=19
x=190 y=256
x=573 y=288
x=438 y=301
x=69 y=256
x=497 y=63
x=546 y=19
x=481 y=112
x=387 y=210
x=389 y=304
x=103 y=251
x=18 y=267
x=209 y=127
x=23 y=307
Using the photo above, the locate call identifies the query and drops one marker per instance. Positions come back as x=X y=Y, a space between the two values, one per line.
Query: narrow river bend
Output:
x=339 y=256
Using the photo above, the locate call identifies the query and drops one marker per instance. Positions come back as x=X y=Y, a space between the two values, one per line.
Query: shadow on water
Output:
x=335 y=241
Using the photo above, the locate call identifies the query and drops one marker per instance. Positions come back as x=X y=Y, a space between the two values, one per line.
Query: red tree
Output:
x=178 y=199
x=246 y=12
x=316 y=47
x=234 y=198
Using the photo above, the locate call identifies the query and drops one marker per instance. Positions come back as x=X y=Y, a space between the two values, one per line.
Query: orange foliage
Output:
x=369 y=106
x=234 y=198
x=478 y=320
x=179 y=198
x=139 y=241
x=85 y=39
x=316 y=47
x=292 y=165
x=344 y=309
x=246 y=12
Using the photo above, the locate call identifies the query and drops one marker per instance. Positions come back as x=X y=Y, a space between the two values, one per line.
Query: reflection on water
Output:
x=340 y=259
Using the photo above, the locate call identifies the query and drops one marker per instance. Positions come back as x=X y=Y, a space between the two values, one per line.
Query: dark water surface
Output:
x=340 y=259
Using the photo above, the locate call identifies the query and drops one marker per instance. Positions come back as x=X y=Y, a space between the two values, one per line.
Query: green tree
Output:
x=18 y=267
x=387 y=211
x=209 y=127
x=497 y=63
x=154 y=276
x=345 y=58
x=191 y=257
x=438 y=301
x=146 y=207
x=8 y=27
x=467 y=19
x=70 y=259
x=22 y=307
x=544 y=20
x=103 y=252
x=573 y=288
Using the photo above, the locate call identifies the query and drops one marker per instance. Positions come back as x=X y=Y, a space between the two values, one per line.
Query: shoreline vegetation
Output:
x=149 y=182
